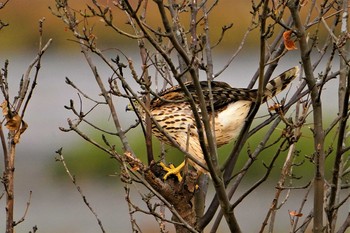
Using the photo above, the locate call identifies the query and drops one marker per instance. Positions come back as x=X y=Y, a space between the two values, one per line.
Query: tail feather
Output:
x=279 y=83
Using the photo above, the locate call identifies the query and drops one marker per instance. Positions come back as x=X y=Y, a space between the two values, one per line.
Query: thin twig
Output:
x=74 y=181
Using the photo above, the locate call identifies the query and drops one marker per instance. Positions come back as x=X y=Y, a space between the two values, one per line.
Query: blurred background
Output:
x=55 y=205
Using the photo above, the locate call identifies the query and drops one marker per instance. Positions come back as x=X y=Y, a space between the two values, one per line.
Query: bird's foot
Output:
x=172 y=170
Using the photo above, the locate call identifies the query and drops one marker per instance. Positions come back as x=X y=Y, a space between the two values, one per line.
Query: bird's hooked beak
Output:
x=129 y=107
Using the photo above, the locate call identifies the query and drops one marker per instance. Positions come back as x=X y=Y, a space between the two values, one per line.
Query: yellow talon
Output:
x=172 y=170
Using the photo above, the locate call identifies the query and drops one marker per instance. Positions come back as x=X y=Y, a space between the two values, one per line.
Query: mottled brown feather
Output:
x=223 y=93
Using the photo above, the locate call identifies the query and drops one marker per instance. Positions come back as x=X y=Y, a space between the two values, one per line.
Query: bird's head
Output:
x=134 y=106
x=131 y=106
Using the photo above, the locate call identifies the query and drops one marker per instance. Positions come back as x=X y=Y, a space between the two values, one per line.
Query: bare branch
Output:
x=25 y=211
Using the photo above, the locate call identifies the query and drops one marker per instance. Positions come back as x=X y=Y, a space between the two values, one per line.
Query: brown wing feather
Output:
x=223 y=93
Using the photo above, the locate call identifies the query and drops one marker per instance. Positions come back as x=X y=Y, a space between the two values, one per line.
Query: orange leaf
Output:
x=294 y=213
x=288 y=42
x=275 y=107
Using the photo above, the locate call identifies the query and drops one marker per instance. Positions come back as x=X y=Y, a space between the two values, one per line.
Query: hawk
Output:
x=231 y=106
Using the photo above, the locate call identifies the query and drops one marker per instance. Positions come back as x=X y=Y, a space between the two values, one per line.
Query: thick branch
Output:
x=317 y=117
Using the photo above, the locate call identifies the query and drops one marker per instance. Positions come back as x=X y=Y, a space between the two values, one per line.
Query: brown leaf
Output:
x=13 y=123
x=4 y=107
x=288 y=42
x=19 y=132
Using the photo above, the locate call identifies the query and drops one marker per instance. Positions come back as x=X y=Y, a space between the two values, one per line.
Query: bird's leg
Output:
x=173 y=170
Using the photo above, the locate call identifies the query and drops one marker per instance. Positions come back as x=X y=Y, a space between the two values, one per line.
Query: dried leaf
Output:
x=295 y=214
x=288 y=42
x=13 y=123
x=16 y=137
x=4 y=107
x=19 y=132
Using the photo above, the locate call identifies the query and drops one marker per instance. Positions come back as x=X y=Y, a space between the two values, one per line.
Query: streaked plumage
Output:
x=231 y=107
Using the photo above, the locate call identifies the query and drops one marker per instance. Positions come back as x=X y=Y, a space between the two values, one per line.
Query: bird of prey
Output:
x=231 y=106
